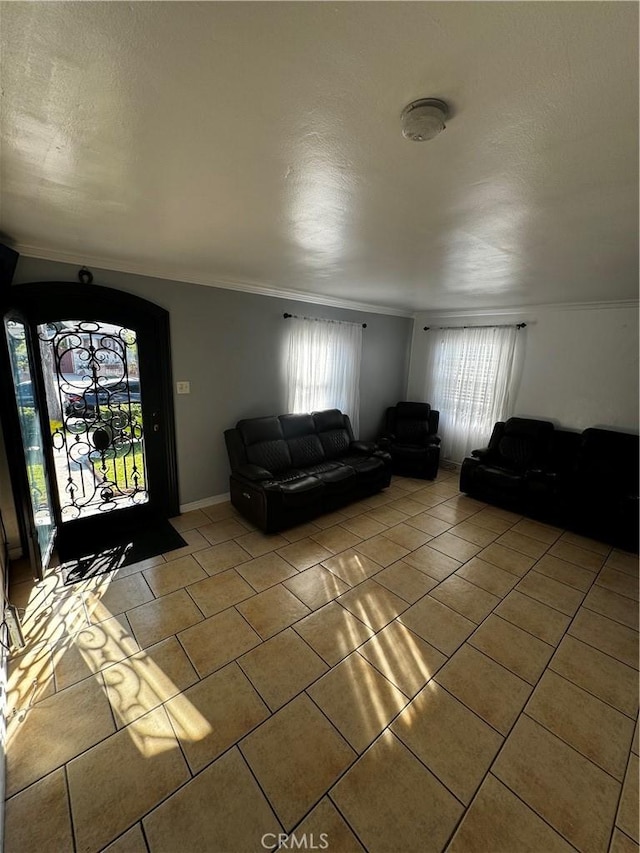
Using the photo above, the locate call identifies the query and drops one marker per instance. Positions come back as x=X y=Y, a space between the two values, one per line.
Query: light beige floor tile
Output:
x=383 y=797
x=594 y=728
x=92 y=649
x=567 y=573
x=358 y=700
x=465 y=598
x=173 y=575
x=218 y=640
x=373 y=604
x=272 y=610
x=258 y=543
x=406 y=536
x=214 y=714
x=296 y=755
x=316 y=586
x=621 y=843
x=611 y=637
x=507 y=559
x=464 y=501
x=408 y=506
x=221 y=809
x=476 y=681
x=623 y=562
x=520 y=652
x=598 y=673
x=300 y=531
x=189 y=520
x=304 y=554
x=634 y=745
x=282 y=667
x=409 y=484
x=35 y=665
x=452 y=741
x=387 y=517
x=220 y=591
x=221 y=531
x=336 y=539
x=147 y=679
x=382 y=550
x=163 y=617
x=195 y=542
x=333 y=632
x=504 y=514
x=79 y=716
x=488 y=577
x=614 y=606
x=437 y=624
x=131 y=841
x=364 y=527
x=577 y=798
x=428 y=524
x=142 y=763
x=433 y=563
x=523 y=544
x=454 y=546
x=619 y=582
x=220 y=511
x=352 y=567
x=627 y=818
x=472 y=533
x=219 y=558
x=134 y=568
x=325 y=825
x=266 y=571
x=120 y=595
x=451 y=514
x=403 y=657
x=579 y=556
x=586 y=543
x=537 y=530
x=405 y=581
x=487 y=518
x=499 y=822
x=533 y=616
x=37 y=819
x=558 y=595
x=328 y=519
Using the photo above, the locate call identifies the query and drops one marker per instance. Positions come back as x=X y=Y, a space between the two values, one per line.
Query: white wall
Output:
x=580 y=363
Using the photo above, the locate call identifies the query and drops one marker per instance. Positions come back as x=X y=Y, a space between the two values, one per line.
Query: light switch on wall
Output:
x=183 y=387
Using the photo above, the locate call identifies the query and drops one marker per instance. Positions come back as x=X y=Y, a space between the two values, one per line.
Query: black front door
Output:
x=103 y=380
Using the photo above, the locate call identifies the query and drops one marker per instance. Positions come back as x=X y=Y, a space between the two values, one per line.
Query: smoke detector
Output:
x=424 y=119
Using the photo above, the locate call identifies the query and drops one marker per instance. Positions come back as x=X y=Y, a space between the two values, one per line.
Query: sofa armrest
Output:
x=253 y=472
x=434 y=439
x=482 y=453
x=363 y=446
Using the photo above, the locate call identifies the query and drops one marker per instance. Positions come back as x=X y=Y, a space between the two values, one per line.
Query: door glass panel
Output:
x=94 y=401
x=31 y=437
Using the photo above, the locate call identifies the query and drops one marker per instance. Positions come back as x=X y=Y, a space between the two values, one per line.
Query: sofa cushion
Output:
x=306 y=450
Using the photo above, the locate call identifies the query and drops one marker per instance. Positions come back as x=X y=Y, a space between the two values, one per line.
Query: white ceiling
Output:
x=260 y=143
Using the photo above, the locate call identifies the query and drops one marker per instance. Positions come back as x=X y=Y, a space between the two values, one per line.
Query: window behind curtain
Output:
x=471 y=384
x=323 y=366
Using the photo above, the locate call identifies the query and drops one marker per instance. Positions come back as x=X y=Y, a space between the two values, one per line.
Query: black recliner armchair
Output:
x=509 y=469
x=411 y=439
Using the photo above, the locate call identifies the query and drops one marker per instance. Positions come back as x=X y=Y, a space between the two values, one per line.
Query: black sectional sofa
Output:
x=586 y=482
x=287 y=469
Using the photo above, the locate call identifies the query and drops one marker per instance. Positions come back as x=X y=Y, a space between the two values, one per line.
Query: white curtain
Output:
x=323 y=366
x=472 y=374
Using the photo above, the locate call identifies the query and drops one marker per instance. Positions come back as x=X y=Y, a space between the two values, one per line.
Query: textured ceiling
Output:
x=260 y=143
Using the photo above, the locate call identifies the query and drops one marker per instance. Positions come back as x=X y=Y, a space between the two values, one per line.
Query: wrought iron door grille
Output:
x=94 y=402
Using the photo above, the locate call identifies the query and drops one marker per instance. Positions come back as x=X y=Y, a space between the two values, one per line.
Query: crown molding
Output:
x=171 y=274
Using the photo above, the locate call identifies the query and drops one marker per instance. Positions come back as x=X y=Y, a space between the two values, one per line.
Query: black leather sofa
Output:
x=287 y=469
x=586 y=482
x=411 y=438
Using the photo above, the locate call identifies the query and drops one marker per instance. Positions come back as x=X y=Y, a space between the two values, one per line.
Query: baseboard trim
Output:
x=215 y=499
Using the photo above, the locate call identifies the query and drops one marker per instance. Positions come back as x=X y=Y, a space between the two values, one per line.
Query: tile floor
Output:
x=419 y=671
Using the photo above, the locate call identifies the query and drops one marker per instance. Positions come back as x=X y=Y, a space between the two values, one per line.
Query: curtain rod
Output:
x=298 y=317
x=501 y=326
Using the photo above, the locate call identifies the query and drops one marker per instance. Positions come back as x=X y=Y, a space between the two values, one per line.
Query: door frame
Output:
x=42 y=301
